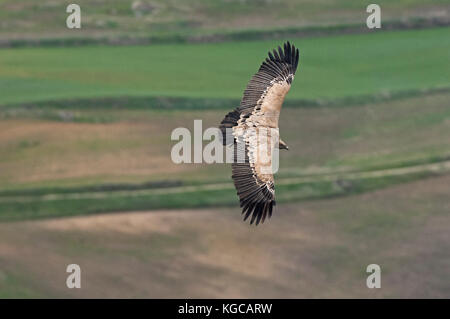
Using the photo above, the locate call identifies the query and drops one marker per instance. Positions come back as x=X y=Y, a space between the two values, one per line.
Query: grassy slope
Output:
x=325 y=245
x=330 y=67
x=307 y=250
x=47 y=17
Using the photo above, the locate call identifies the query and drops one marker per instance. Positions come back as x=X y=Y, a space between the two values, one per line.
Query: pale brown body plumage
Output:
x=253 y=127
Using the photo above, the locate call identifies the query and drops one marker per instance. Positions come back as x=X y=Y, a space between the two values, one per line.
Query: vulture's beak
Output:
x=282 y=145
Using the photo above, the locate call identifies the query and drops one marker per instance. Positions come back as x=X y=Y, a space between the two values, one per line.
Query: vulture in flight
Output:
x=244 y=128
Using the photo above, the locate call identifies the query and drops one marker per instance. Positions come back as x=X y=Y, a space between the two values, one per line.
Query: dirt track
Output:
x=437 y=168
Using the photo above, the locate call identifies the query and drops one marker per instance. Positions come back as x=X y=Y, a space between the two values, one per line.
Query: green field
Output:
x=75 y=146
x=330 y=68
x=310 y=249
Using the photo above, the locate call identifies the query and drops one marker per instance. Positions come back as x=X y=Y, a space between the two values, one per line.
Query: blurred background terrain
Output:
x=85 y=170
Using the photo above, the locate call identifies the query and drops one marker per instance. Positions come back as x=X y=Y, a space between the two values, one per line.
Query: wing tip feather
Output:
x=289 y=54
x=258 y=211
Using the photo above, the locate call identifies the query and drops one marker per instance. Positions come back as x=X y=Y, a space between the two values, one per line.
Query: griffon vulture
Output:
x=257 y=115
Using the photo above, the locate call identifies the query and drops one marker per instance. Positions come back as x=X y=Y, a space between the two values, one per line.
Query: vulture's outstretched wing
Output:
x=259 y=112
